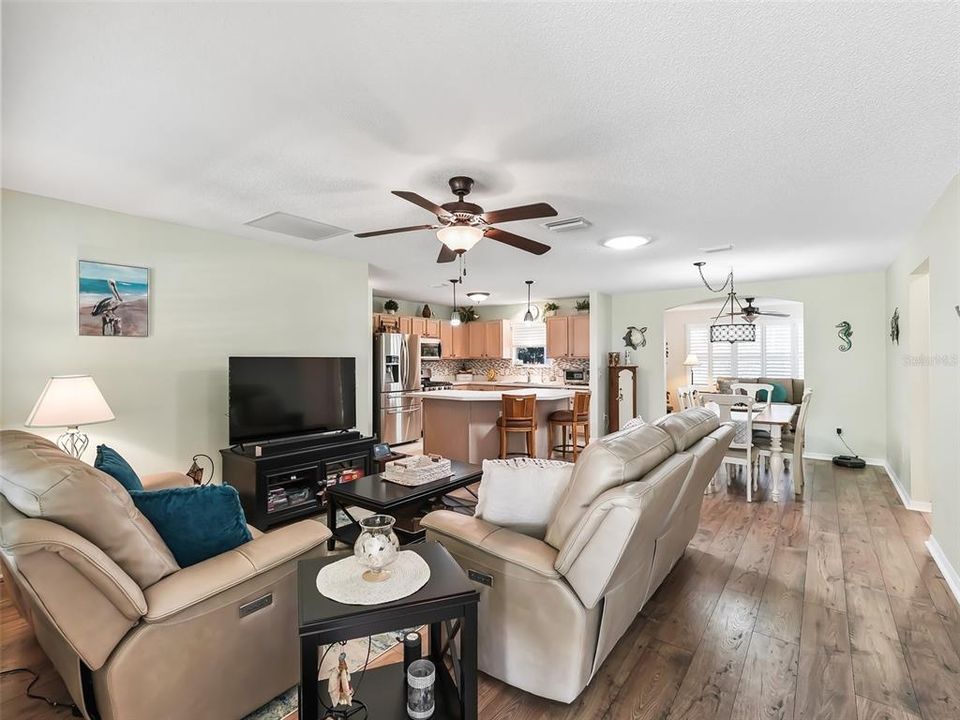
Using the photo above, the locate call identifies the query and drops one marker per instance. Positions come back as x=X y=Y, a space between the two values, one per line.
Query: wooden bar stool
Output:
x=573 y=420
x=519 y=415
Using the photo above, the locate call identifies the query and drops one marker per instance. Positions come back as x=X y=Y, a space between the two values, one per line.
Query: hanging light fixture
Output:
x=728 y=329
x=460 y=238
x=455 y=315
x=528 y=317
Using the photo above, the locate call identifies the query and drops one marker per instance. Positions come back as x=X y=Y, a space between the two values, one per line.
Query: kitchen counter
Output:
x=521 y=384
x=462 y=424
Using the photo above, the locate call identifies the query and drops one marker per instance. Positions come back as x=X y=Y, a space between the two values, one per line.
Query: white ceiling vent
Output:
x=301 y=227
x=717 y=248
x=574 y=223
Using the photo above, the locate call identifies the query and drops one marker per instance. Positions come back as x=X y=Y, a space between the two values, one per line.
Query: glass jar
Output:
x=377 y=547
x=421 y=699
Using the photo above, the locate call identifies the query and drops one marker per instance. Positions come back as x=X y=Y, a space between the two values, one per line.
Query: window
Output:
x=529 y=343
x=777 y=353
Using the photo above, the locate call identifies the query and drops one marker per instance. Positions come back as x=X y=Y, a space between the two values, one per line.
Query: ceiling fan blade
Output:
x=772 y=314
x=446 y=255
x=521 y=212
x=395 y=230
x=421 y=201
x=508 y=238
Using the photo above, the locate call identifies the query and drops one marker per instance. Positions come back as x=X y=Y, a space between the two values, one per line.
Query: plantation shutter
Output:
x=750 y=356
x=779 y=350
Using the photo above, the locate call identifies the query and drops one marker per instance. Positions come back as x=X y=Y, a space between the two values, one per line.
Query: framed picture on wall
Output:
x=113 y=300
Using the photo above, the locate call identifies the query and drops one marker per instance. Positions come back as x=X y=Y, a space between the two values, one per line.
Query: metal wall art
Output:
x=895 y=326
x=844 y=332
x=634 y=337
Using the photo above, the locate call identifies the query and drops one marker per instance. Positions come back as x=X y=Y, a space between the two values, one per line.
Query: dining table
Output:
x=774 y=417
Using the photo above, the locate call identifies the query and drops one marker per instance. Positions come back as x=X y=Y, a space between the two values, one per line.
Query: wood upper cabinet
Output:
x=568 y=336
x=579 y=336
x=383 y=322
x=557 y=337
x=446 y=340
x=476 y=340
x=461 y=343
x=497 y=339
x=432 y=328
x=406 y=324
x=418 y=326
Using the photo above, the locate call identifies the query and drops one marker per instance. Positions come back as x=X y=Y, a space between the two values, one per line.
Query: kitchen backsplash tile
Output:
x=552 y=372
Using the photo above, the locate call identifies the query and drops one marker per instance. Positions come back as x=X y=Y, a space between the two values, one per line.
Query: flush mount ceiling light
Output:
x=478 y=296
x=528 y=316
x=626 y=242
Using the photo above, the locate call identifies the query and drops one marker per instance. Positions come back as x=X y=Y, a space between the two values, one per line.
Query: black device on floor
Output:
x=849 y=461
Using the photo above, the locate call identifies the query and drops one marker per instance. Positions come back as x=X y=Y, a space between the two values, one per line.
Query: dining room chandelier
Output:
x=725 y=327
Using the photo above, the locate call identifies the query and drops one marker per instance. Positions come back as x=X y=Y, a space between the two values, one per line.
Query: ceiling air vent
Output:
x=301 y=227
x=717 y=248
x=574 y=223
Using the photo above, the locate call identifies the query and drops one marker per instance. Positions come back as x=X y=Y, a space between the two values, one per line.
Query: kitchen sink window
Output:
x=529 y=343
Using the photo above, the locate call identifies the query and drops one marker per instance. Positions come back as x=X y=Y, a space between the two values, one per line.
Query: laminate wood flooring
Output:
x=825 y=607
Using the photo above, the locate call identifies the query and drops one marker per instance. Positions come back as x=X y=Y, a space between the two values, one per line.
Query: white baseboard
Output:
x=908 y=502
x=949 y=572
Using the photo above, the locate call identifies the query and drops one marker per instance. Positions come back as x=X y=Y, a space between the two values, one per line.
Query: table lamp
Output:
x=70 y=401
x=691 y=362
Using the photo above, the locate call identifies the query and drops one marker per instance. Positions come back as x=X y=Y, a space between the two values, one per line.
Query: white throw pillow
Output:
x=522 y=493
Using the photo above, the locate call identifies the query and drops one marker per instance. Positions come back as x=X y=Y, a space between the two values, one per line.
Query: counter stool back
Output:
x=571 y=421
x=518 y=415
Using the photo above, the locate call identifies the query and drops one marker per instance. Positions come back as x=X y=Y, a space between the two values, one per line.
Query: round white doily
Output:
x=342 y=581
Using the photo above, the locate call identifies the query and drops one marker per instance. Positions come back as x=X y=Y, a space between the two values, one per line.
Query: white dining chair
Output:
x=688 y=396
x=741 y=450
x=792 y=444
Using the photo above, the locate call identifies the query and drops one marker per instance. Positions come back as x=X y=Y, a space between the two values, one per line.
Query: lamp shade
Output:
x=68 y=401
x=691 y=361
x=460 y=237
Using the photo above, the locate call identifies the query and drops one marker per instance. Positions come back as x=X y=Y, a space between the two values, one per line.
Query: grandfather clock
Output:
x=622 y=395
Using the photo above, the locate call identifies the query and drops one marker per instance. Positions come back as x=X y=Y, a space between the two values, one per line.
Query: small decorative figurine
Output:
x=634 y=337
x=427 y=312
x=845 y=332
x=895 y=326
x=339 y=687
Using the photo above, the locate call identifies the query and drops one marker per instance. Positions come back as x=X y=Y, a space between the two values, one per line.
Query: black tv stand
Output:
x=288 y=479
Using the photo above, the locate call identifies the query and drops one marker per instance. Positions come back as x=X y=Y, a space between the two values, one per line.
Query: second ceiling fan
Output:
x=461 y=224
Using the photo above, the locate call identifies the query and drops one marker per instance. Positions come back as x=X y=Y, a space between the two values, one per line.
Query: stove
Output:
x=429 y=385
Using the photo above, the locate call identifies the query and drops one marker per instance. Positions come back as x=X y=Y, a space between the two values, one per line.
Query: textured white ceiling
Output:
x=813 y=136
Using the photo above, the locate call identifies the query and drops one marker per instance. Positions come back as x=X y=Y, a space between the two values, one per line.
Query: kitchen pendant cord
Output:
x=52 y=703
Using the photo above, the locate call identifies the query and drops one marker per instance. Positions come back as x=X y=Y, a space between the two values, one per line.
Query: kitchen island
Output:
x=462 y=424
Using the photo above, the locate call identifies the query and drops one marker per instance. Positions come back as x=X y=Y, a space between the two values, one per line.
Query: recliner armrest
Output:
x=160 y=481
x=521 y=550
x=196 y=583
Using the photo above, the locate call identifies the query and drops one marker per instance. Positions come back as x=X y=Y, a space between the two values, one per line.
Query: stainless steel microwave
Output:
x=576 y=377
x=429 y=349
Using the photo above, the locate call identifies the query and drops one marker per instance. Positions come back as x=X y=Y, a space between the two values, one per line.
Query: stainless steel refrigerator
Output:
x=396 y=373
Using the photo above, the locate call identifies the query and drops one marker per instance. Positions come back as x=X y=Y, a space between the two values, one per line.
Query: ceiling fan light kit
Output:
x=460 y=238
x=626 y=242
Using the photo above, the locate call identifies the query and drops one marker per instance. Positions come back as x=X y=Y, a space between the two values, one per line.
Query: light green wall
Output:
x=849 y=388
x=518 y=310
x=211 y=296
x=937 y=241
x=408 y=307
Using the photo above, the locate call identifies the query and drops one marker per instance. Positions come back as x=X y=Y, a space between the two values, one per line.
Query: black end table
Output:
x=380 y=496
x=448 y=596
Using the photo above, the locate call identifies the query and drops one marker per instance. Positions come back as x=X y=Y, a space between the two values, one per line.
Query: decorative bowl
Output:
x=376 y=547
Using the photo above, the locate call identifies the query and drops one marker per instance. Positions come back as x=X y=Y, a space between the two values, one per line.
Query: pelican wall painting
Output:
x=113 y=299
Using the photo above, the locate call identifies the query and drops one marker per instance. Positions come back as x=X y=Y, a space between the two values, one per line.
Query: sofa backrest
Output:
x=793 y=386
x=41 y=481
x=606 y=463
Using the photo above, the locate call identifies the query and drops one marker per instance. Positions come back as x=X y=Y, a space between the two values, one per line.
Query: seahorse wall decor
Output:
x=895 y=326
x=845 y=332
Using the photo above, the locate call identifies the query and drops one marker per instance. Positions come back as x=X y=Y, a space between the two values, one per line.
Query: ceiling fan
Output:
x=751 y=312
x=461 y=224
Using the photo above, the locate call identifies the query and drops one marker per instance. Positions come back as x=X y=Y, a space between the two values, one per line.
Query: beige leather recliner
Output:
x=557 y=607
x=134 y=636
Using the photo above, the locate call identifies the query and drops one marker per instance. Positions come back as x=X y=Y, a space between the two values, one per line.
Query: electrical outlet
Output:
x=839 y=431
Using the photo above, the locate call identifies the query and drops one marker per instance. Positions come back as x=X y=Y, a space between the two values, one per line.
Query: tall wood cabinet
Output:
x=568 y=336
x=622 y=395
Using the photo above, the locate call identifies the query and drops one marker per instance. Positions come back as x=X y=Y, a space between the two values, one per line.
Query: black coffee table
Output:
x=448 y=600
x=379 y=496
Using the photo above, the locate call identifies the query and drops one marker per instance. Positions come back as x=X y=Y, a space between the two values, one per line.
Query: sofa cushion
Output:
x=782 y=390
x=41 y=481
x=522 y=493
x=687 y=427
x=197 y=523
x=113 y=464
x=612 y=460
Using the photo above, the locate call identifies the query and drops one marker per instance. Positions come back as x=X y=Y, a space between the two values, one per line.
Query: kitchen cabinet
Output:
x=477 y=339
x=568 y=336
x=454 y=341
x=418 y=326
x=460 y=341
x=406 y=324
x=383 y=322
x=497 y=339
x=431 y=328
x=446 y=340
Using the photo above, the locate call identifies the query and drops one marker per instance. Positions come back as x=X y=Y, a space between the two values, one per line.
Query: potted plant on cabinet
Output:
x=583 y=306
x=468 y=314
x=391 y=307
x=550 y=309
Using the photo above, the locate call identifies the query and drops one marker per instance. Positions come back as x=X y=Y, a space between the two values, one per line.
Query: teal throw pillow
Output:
x=196 y=523
x=112 y=463
x=779 y=394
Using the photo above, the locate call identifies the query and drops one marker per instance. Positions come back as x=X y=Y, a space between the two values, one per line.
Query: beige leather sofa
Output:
x=557 y=607
x=134 y=636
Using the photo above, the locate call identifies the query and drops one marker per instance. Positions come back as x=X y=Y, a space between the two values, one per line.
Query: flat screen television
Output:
x=275 y=397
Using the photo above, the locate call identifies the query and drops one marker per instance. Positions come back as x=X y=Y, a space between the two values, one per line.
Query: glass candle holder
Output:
x=376 y=547
x=421 y=687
